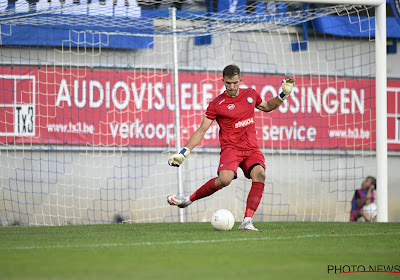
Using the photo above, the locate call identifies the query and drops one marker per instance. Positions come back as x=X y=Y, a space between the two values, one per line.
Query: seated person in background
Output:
x=362 y=197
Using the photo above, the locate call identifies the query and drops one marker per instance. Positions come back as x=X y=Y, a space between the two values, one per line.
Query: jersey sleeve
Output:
x=211 y=111
x=258 y=98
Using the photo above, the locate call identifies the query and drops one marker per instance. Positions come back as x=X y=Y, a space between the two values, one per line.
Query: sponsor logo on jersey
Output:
x=250 y=99
x=244 y=123
x=231 y=106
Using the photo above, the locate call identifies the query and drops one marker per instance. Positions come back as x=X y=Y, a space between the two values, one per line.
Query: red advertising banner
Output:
x=137 y=109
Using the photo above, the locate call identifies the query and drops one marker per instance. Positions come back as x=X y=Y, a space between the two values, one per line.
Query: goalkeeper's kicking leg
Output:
x=224 y=178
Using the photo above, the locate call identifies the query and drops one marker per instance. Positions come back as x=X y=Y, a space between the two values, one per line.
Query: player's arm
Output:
x=177 y=159
x=272 y=104
x=367 y=199
x=198 y=135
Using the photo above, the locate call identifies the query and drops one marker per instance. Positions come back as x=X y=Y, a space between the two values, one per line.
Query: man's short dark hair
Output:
x=231 y=70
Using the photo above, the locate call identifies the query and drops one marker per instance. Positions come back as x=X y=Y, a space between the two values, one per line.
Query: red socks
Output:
x=254 y=198
x=206 y=190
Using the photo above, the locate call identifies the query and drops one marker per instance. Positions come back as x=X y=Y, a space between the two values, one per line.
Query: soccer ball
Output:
x=222 y=219
x=370 y=210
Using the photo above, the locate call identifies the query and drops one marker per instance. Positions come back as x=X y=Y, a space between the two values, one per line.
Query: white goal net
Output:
x=88 y=107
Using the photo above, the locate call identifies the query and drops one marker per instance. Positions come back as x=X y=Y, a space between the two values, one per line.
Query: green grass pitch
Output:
x=283 y=250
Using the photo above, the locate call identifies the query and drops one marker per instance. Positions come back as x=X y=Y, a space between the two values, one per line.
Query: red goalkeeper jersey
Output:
x=235 y=117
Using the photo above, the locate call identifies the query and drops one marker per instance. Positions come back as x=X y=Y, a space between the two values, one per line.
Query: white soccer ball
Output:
x=370 y=211
x=222 y=219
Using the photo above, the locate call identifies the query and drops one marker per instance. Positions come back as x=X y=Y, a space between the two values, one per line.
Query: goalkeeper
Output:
x=234 y=112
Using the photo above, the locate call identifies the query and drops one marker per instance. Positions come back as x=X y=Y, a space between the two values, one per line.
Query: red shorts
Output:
x=231 y=159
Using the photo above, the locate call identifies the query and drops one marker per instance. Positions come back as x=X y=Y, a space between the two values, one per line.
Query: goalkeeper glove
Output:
x=287 y=86
x=177 y=159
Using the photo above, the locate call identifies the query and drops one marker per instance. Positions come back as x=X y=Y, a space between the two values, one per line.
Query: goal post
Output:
x=381 y=105
x=92 y=109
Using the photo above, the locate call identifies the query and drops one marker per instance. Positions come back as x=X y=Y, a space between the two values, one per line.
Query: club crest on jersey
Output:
x=243 y=123
x=231 y=106
x=250 y=100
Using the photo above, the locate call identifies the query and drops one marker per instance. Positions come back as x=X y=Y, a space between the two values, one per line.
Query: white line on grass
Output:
x=264 y=238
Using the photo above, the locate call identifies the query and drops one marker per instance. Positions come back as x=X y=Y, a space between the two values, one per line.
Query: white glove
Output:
x=177 y=159
x=287 y=86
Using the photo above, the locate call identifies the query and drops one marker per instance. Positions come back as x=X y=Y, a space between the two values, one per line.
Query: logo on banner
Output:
x=18 y=105
x=24 y=120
